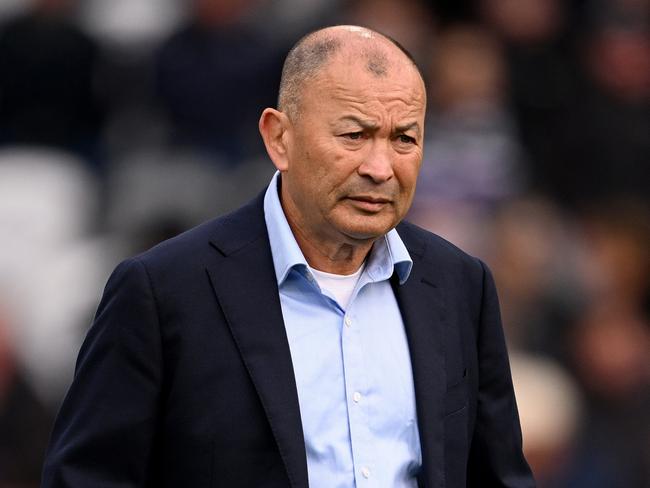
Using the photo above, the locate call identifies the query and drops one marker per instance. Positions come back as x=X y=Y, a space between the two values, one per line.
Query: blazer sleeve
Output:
x=496 y=458
x=104 y=433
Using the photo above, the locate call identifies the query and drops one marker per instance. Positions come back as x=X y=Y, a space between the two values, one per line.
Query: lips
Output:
x=369 y=203
x=370 y=199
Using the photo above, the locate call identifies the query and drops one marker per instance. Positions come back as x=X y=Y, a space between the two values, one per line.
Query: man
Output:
x=302 y=340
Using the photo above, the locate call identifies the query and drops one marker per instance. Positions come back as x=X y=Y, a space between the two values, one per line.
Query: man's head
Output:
x=347 y=137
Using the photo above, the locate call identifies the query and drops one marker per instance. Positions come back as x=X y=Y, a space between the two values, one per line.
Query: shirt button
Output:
x=365 y=472
x=348 y=321
x=356 y=397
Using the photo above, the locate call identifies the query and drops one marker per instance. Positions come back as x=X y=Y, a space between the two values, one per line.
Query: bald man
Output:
x=310 y=338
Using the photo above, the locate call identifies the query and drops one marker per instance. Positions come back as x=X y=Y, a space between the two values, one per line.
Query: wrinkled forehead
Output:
x=372 y=70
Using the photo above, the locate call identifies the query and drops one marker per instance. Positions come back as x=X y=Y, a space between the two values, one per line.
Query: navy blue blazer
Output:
x=185 y=377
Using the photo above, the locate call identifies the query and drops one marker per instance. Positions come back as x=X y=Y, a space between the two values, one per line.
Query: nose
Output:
x=377 y=164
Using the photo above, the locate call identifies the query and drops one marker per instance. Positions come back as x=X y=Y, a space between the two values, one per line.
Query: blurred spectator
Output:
x=611 y=358
x=616 y=263
x=581 y=99
x=611 y=339
x=540 y=76
x=614 y=331
x=618 y=59
x=472 y=159
x=46 y=81
x=532 y=255
x=215 y=76
x=604 y=143
x=525 y=21
x=611 y=354
x=551 y=413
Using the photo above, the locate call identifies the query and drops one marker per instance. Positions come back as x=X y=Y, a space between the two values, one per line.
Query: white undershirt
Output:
x=340 y=287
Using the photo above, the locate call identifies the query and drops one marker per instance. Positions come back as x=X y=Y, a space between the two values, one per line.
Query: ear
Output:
x=275 y=128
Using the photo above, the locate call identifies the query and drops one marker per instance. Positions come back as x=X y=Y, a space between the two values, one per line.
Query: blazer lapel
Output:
x=422 y=308
x=245 y=286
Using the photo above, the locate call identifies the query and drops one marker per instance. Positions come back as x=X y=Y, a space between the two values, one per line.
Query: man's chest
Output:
x=355 y=385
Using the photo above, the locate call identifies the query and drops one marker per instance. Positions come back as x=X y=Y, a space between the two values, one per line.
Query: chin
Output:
x=364 y=227
x=366 y=232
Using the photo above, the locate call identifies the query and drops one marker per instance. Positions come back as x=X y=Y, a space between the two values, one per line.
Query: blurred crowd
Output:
x=125 y=122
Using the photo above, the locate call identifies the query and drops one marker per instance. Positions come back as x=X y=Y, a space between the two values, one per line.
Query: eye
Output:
x=403 y=138
x=354 y=136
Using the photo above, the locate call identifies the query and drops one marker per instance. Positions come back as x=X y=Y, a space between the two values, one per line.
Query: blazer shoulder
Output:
x=434 y=248
x=224 y=234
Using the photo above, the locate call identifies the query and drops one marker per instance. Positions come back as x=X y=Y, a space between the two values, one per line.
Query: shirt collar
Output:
x=388 y=253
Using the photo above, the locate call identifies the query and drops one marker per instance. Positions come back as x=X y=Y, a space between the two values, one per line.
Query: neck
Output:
x=342 y=259
x=331 y=256
x=323 y=251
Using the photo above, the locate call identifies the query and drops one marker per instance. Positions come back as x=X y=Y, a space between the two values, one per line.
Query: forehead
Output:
x=367 y=78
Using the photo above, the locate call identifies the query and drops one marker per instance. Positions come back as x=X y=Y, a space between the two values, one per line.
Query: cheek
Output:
x=319 y=180
x=407 y=173
x=333 y=168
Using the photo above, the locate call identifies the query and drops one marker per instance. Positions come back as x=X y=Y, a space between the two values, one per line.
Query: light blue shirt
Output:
x=352 y=367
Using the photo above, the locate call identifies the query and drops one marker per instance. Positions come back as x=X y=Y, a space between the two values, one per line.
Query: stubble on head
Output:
x=377 y=63
x=311 y=55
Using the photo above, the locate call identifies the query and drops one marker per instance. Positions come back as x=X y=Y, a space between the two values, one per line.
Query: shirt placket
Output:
x=356 y=388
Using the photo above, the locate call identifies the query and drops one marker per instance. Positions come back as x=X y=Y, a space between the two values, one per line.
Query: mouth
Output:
x=369 y=203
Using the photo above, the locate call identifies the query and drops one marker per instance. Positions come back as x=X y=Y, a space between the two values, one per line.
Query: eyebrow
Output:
x=410 y=126
x=365 y=124
x=369 y=125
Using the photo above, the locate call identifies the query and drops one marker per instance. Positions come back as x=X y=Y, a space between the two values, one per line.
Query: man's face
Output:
x=354 y=151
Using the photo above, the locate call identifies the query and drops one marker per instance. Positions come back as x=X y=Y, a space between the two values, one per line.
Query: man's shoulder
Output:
x=441 y=262
x=432 y=247
x=224 y=234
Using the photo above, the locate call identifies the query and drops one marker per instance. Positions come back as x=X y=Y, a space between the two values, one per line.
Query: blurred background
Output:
x=125 y=122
